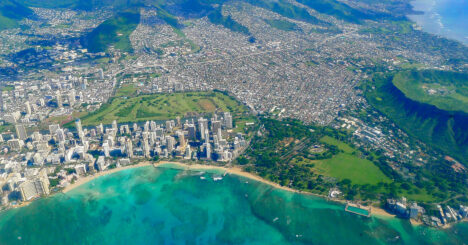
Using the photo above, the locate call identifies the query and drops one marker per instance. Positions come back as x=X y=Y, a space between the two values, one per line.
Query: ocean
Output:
x=168 y=206
x=448 y=18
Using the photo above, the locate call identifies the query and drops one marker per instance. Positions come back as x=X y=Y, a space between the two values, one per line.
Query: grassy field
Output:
x=126 y=90
x=341 y=145
x=162 y=107
x=445 y=90
x=347 y=165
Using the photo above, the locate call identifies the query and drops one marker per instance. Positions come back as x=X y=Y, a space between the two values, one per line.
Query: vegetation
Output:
x=282 y=25
x=445 y=90
x=288 y=10
x=78 y=4
x=282 y=154
x=7 y=127
x=216 y=17
x=127 y=90
x=11 y=12
x=339 y=10
x=8 y=88
x=444 y=130
x=348 y=165
x=163 y=107
x=113 y=32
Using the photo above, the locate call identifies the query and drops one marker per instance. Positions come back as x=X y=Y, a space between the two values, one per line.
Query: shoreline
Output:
x=239 y=172
x=86 y=179
x=230 y=170
x=234 y=170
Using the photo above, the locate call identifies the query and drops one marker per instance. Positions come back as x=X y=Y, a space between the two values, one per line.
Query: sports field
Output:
x=347 y=165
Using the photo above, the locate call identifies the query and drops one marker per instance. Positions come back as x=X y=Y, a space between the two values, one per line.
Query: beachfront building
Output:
x=35 y=187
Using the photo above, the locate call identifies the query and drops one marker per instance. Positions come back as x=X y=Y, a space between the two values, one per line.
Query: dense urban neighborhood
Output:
x=197 y=88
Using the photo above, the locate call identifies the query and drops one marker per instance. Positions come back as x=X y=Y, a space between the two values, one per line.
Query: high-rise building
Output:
x=59 y=99
x=106 y=148
x=159 y=132
x=129 y=148
x=101 y=163
x=178 y=121
x=146 y=147
x=153 y=126
x=208 y=150
x=41 y=102
x=101 y=74
x=100 y=129
x=188 y=152
x=36 y=136
x=72 y=97
x=181 y=138
x=215 y=125
x=35 y=187
x=21 y=132
x=53 y=128
x=15 y=144
x=169 y=126
x=28 y=108
x=202 y=125
x=192 y=133
x=201 y=131
x=114 y=126
x=60 y=135
x=170 y=142
x=79 y=128
x=227 y=120
x=207 y=136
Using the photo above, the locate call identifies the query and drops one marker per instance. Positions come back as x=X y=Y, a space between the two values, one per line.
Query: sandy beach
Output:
x=229 y=170
x=232 y=170
x=86 y=179
x=381 y=212
x=238 y=171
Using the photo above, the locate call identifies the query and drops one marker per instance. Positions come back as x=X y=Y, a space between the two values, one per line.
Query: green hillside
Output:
x=282 y=25
x=113 y=32
x=444 y=130
x=340 y=10
x=445 y=90
x=11 y=12
x=79 y=4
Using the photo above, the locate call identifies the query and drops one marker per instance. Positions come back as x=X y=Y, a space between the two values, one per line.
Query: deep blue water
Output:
x=448 y=18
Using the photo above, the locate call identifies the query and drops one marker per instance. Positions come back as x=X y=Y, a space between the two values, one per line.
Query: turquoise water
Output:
x=358 y=210
x=168 y=206
x=447 y=18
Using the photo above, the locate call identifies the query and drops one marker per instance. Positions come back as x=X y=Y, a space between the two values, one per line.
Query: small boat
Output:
x=202 y=177
x=217 y=178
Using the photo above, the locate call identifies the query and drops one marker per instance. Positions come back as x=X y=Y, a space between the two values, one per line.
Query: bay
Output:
x=150 y=205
